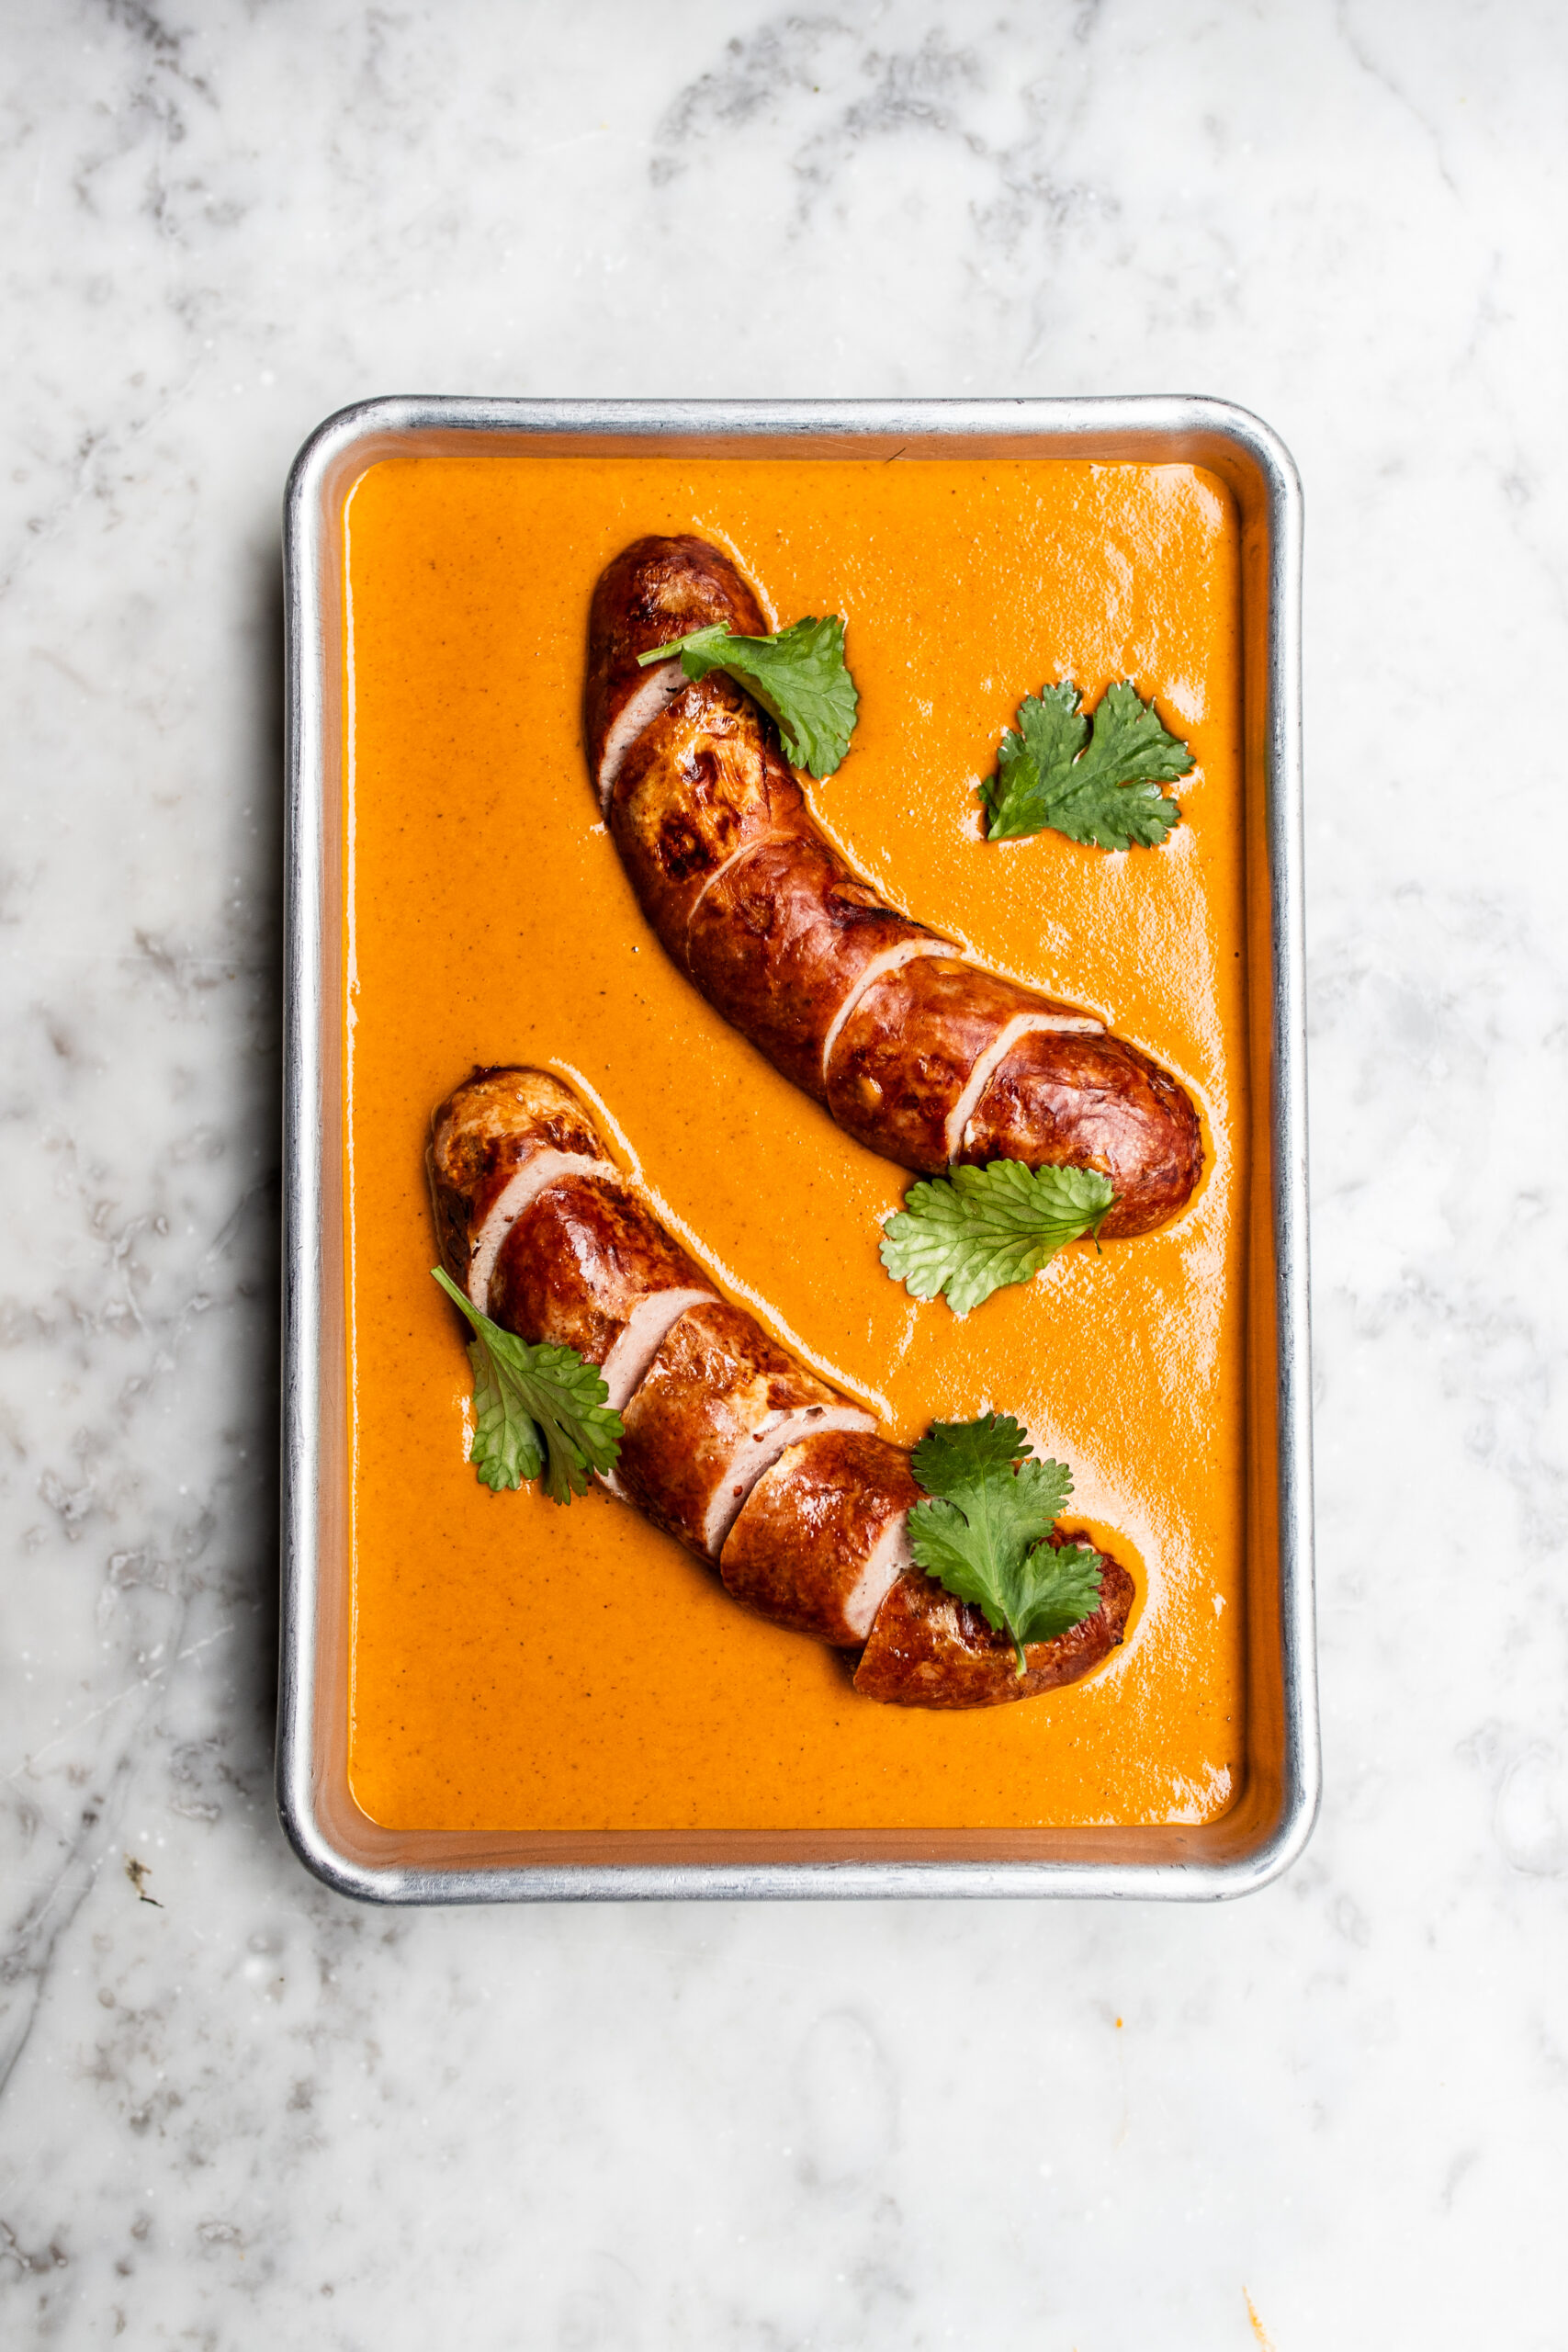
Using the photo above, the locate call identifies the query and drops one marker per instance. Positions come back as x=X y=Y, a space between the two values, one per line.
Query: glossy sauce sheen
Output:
x=521 y=1667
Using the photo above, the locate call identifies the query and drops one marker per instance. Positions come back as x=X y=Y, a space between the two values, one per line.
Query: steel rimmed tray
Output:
x=1271 y=1818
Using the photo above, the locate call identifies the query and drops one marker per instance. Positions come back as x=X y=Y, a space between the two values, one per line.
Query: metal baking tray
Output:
x=1268 y=1825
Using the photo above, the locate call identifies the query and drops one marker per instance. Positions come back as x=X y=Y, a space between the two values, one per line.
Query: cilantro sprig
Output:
x=976 y=1230
x=984 y=1535
x=798 y=675
x=1102 y=790
x=537 y=1409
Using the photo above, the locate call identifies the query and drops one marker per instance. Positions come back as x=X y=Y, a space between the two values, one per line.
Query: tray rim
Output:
x=1083 y=421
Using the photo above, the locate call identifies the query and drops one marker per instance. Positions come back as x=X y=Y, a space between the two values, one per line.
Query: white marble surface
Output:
x=241 y=2112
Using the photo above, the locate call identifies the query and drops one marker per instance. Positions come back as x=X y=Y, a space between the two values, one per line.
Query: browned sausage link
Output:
x=928 y=1650
x=709 y=1401
x=921 y=1057
x=732 y=1446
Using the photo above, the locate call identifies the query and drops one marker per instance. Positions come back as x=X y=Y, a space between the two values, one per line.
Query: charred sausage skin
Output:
x=923 y=1058
x=743 y=1454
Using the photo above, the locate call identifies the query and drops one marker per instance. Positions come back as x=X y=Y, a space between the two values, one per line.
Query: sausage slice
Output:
x=905 y=1062
x=1091 y=1103
x=784 y=937
x=586 y=1266
x=717 y=1405
x=927 y=1649
x=823 y=1535
x=701 y=783
x=493 y=1144
x=654 y=591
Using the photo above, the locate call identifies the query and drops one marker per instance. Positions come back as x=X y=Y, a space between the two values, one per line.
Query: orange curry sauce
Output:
x=516 y=1665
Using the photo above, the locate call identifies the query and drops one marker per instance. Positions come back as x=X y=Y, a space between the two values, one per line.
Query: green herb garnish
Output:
x=1104 y=790
x=985 y=1537
x=535 y=1409
x=976 y=1230
x=798 y=675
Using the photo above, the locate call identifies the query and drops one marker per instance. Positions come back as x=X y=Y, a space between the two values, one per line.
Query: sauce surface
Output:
x=515 y=1666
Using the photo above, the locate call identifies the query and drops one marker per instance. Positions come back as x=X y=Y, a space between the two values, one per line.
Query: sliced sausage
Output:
x=493 y=1144
x=716 y=1406
x=927 y=1649
x=1097 y=1102
x=654 y=591
x=921 y=1055
x=587 y=1266
x=906 y=1059
x=823 y=1535
x=784 y=937
x=700 y=784
x=729 y=1443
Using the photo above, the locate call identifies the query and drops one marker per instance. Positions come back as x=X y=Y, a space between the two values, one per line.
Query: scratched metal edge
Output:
x=1080 y=423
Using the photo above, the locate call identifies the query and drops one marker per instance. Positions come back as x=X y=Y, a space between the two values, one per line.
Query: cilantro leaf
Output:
x=1066 y=1591
x=984 y=1534
x=798 y=675
x=975 y=1229
x=1102 y=790
x=535 y=1409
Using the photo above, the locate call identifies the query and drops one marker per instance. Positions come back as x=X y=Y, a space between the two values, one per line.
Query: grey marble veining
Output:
x=237 y=2111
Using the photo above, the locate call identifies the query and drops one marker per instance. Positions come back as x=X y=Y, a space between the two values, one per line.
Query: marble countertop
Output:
x=237 y=2111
